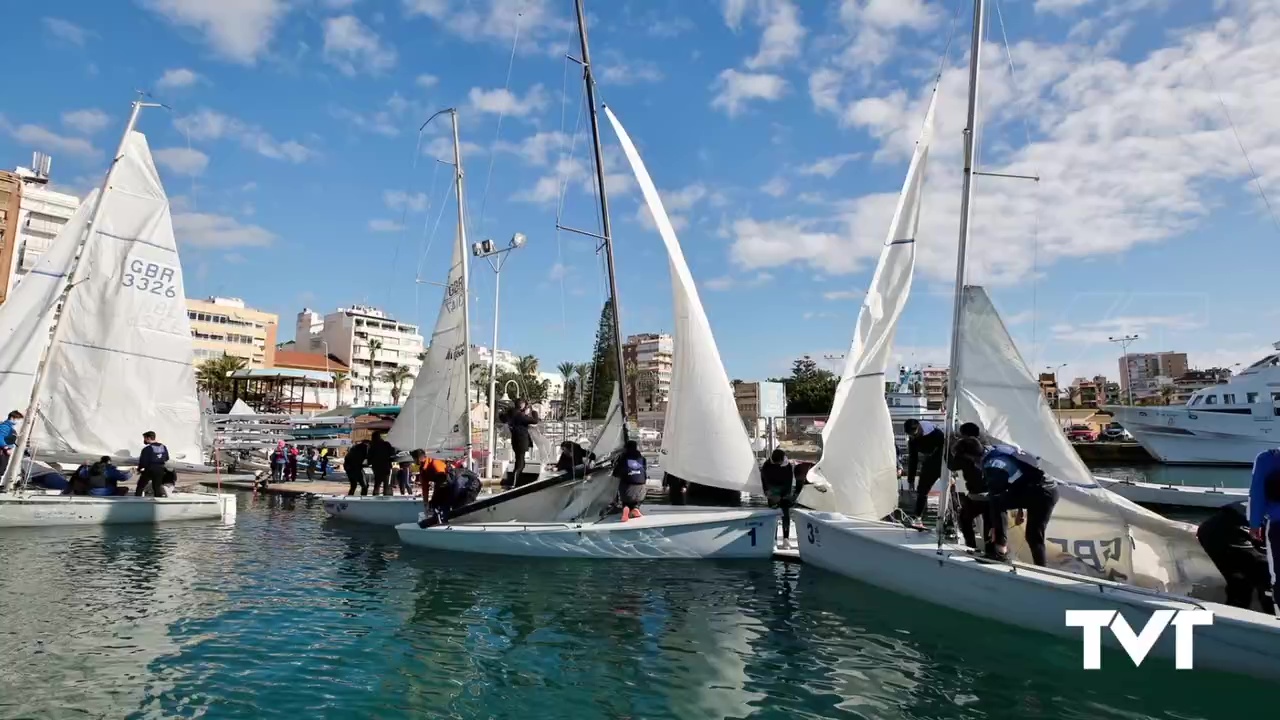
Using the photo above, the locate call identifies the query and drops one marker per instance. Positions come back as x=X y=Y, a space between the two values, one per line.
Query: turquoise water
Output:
x=287 y=615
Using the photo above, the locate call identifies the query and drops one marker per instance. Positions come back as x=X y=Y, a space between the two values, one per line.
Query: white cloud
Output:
x=208 y=230
x=676 y=203
x=238 y=30
x=728 y=282
x=776 y=187
x=396 y=115
x=65 y=30
x=842 y=295
x=503 y=101
x=87 y=121
x=573 y=173
x=1102 y=331
x=426 y=80
x=177 y=78
x=782 y=34
x=558 y=272
x=542 y=24
x=618 y=70
x=828 y=166
x=383 y=225
x=1060 y=7
x=537 y=149
x=181 y=160
x=206 y=124
x=37 y=137
x=824 y=89
x=352 y=47
x=735 y=89
x=399 y=199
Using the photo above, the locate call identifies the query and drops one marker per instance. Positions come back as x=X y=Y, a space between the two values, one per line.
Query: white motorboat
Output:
x=38 y=509
x=1226 y=424
x=1198 y=496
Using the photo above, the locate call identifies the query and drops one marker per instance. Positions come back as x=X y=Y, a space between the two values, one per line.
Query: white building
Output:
x=41 y=214
x=653 y=355
x=346 y=334
x=507 y=360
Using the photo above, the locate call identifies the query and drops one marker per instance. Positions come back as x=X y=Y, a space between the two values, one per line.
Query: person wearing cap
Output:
x=1242 y=560
x=925 y=448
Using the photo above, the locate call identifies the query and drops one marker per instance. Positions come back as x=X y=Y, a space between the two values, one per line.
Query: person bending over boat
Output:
x=631 y=469
x=353 y=464
x=778 y=476
x=449 y=488
x=966 y=459
x=1242 y=561
x=925 y=447
x=574 y=457
x=1264 y=511
x=1014 y=480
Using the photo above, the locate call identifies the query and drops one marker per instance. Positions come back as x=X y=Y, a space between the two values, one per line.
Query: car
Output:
x=1081 y=433
x=1116 y=431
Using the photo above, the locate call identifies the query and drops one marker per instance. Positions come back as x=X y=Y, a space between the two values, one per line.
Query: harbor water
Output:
x=286 y=614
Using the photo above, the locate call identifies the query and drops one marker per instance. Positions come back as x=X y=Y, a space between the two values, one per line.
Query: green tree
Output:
x=339 y=379
x=632 y=385
x=212 y=375
x=604 y=367
x=583 y=383
x=396 y=376
x=810 y=389
x=647 y=389
x=567 y=371
x=374 y=346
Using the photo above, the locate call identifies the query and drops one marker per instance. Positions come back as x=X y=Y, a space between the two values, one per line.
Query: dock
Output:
x=1112 y=453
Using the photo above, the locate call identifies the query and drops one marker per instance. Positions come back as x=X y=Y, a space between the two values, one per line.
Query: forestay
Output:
x=434 y=414
x=703 y=438
x=859 y=458
x=26 y=317
x=122 y=362
x=1104 y=531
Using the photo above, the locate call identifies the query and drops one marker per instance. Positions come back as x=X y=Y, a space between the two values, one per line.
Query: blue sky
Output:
x=777 y=130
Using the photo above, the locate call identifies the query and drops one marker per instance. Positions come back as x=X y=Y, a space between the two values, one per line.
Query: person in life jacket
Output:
x=925 y=447
x=1264 y=511
x=448 y=488
x=1014 y=480
x=632 y=472
x=279 y=461
x=153 y=462
x=100 y=479
x=1242 y=561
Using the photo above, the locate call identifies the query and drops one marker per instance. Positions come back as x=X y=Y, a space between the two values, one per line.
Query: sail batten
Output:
x=703 y=439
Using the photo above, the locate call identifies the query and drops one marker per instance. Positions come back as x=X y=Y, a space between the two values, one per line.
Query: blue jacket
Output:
x=8 y=434
x=1267 y=462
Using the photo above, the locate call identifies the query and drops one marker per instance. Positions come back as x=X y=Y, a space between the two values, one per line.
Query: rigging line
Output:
x=497 y=132
x=425 y=244
x=402 y=230
x=564 y=105
x=1257 y=180
x=564 y=184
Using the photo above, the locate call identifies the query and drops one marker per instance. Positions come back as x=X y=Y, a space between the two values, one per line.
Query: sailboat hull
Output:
x=908 y=562
x=715 y=534
x=41 y=510
x=1198 y=496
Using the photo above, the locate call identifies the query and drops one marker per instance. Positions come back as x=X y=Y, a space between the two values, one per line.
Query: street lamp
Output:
x=1125 y=342
x=1057 y=388
x=497 y=257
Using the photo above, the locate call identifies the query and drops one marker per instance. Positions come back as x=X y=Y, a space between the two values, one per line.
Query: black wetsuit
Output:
x=926 y=453
x=1225 y=538
x=353 y=464
x=381 y=454
x=779 y=481
x=518 y=422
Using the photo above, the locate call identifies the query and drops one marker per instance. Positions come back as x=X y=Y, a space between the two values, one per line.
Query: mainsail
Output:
x=859 y=456
x=1104 y=531
x=26 y=318
x=703 y=438
x=121 y=363
x=433 y=416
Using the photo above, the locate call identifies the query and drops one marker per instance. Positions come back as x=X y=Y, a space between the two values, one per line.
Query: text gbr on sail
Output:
x=1139 y=644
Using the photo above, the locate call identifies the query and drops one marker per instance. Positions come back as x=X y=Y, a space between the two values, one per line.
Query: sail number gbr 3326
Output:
x=151 y=278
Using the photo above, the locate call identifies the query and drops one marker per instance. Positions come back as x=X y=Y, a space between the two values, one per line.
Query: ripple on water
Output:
x=285 y=614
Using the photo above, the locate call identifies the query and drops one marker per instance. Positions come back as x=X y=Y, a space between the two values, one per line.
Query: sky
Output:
x=778 y=132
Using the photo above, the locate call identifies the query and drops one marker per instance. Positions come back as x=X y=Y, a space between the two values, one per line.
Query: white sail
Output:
x=122 y=362
x=703 y=438
x=27 y=316
x=433 y=416
x=240 y=408
x=859 y=457
x=609 y=439
x=1099 y=528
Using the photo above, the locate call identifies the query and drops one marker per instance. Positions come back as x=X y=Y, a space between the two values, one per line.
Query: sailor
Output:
x=1242 y=561
x=9 y=437
x=925 y=446
x=101 y=479
x=572 y=457
x=1014 y=480
x=152 y=464
x=1264 y=511
x=778 y=476
x=381 y=458
x=518 y=420
x=353 y=464
x=631 y=469
x=279 y=462
x=448 y=488
x=966 y=459
x=404 y=471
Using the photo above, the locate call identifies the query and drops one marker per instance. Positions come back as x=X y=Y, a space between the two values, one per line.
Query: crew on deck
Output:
x=100 y=479
x=1014 y=480
x=925 y=447
x=1264 y=511
x=1242 y=560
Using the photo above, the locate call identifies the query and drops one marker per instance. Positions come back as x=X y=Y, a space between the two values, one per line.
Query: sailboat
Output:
x=119 y=362
x=705 y=441
x=1122 y=558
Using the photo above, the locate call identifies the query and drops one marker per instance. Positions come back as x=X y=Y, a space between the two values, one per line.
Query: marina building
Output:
x=224 y=326
x=41 y=213
x=935 y=378
x=384 y=354
x=1141 y=373
x=653 y=356
x=10 y=197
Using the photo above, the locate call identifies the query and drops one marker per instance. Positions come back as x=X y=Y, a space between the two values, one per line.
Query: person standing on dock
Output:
x=778 y=476
x=1264 y=512
x=925 y=447
x=632 y=472
x=381 y=458
x=152 y=463
x=353 y=464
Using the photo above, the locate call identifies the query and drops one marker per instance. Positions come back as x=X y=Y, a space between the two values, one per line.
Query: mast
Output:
x=33 y=406
x=966 y=198
x=588 y=79
x=466 y=280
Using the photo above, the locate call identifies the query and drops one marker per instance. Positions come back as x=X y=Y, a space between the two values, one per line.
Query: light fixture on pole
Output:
x=497 y=257
x=1125 y=342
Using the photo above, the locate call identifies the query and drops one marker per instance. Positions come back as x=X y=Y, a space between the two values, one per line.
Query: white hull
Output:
x=1183 y=436
x=374 y=510
x=40 y=510
x=1199 y=496
x=907 y=561
x=674 y=535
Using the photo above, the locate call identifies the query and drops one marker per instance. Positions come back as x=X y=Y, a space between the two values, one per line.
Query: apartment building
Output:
x=1049 y=386
x=347 y=334
x=225 y=326
x=653 y=356
x=10 y=198
x=1141 y=373
x=42 y=211
x=935 y=380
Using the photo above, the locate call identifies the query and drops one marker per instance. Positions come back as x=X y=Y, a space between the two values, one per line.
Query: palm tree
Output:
x=632 y=386
x=480 y=380
x=396 y=376
x=374 y=346
x=212 y=376
x=567 y=369
x=583 y=385
x=527 y=366
x=647 y=387
x=339 y=377
x=1166 y=393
